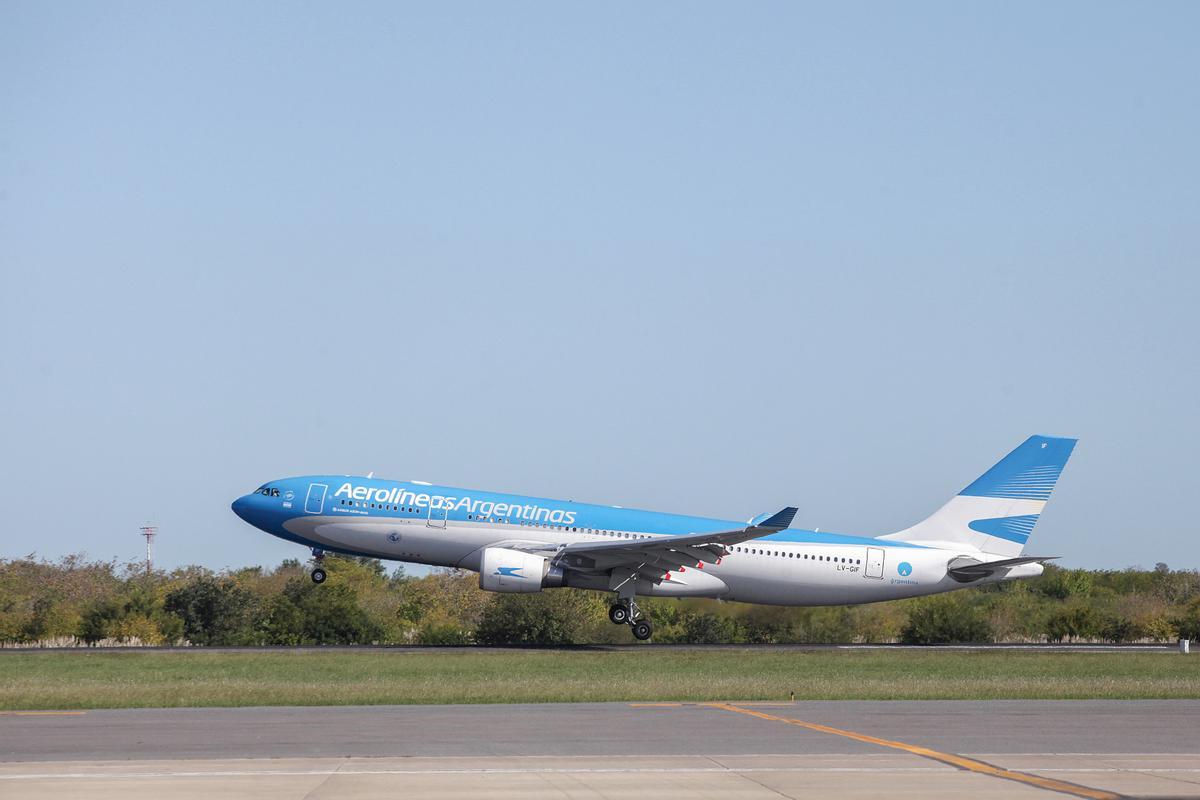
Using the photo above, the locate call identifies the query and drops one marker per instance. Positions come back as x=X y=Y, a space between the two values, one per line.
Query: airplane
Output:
x=527 y=544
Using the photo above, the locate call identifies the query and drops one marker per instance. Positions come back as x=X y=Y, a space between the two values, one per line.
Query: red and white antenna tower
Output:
x=149 y=531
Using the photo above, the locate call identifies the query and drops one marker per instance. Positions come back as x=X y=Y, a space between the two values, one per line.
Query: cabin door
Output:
x=874 y=563
x=315 y=502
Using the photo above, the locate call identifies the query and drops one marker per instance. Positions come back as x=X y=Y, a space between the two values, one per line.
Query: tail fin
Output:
x=997 y=512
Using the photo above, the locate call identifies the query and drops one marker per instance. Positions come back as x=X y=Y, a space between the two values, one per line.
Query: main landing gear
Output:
x=318 y=574
x=626 y=612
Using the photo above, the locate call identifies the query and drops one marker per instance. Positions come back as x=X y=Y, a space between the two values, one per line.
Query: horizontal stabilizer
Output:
x=779 y=520
x=968 y=569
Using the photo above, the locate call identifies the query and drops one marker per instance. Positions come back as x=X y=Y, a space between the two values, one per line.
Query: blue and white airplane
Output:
x=527 y=544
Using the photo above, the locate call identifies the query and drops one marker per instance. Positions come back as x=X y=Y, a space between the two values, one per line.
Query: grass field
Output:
x=370 y=677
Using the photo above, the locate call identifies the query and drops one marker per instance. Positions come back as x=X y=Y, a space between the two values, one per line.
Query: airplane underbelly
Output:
x=395 y=539
x=802 y=593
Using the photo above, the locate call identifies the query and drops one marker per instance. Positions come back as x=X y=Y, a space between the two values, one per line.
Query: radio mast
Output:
x=149 y=532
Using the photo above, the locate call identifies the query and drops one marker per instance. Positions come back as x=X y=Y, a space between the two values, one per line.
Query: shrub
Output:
x=546 y=618
x=444 y=632
x=1062 y=584
x=944 y=620
x=709 y=629
x=98 y=619
x=214 y=611
x=326 y=614
x=1075 y=622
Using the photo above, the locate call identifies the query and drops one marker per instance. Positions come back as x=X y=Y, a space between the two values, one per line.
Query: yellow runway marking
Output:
x=961 y=762
x=42 y=713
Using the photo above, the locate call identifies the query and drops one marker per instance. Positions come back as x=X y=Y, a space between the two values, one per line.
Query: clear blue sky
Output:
x=699 y=258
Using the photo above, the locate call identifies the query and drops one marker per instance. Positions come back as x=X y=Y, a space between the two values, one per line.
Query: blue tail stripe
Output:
x=1027 y=473
x=1014 y=529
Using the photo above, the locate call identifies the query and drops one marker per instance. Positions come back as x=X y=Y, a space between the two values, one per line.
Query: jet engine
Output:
x=505 y=570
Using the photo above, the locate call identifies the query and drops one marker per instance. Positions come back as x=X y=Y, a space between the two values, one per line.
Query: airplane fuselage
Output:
x=450 y=527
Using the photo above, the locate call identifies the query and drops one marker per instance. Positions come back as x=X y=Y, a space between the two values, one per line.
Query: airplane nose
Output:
x=241 y=507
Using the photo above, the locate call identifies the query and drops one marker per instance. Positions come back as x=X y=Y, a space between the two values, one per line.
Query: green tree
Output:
x=41 y=622
x=326 y=614
x=547 y=618
x=1062 y=584
x=710 y=629
x=943 y=619
x=215 y=611
x=1187 y=621
x=1075 y=622
x=98 y=619
x=283 y=622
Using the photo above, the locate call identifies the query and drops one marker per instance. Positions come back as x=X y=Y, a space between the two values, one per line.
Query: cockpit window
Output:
x=267 y=491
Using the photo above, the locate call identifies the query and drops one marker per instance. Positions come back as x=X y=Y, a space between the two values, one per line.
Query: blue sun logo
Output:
x=904 y=568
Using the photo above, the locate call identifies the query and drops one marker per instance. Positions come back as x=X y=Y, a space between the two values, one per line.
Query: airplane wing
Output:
x=652 y=558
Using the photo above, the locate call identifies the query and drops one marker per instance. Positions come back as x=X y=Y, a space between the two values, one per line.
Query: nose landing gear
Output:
x=626 y=612
x=318 y=574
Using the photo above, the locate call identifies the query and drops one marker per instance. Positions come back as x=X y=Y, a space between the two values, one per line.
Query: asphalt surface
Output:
x=1094 y=749
x=599 y=729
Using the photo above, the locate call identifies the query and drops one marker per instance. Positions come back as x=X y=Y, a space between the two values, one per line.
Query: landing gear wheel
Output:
x=618 y=613
x=642 y=630
x=318 y=575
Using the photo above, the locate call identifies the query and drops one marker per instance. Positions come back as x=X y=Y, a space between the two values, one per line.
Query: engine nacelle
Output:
x=504 y=570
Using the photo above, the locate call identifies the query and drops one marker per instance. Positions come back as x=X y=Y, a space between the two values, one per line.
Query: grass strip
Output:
x=146 y=679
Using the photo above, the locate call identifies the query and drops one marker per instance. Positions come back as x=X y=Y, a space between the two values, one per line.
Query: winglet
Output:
x=779 y=520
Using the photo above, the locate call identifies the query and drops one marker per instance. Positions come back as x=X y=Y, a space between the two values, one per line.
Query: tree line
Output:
x=77 y=602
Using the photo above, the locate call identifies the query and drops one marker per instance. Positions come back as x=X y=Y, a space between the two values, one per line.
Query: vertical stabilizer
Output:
x=997 y=512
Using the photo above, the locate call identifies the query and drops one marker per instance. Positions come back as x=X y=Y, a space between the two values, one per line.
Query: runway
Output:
x=1097 y=749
